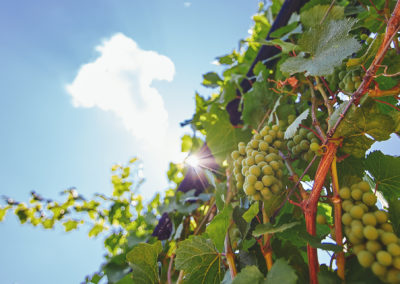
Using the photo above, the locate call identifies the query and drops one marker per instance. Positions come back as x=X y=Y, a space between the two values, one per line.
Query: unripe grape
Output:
x=370 y=233
x=304 y=145
x=251 y=179
x=358 y=248
x=378 y=269
x=392 y=276
x=347 y=205
x=381 y=216
x=250 y=161
x=257 y=196
x=255 y=170
x=365 y=258
x=356 y=194
x=310 y=136
x=346 y=219
x=262 y=164
x=268 y=139
x=369 y=219
x=396 y=262
x=254 y=143
x=290 y=144
x=272 y=133
x=275 y=188
x=263 y=146
x=257 y=136
x=364 y=186
x=356 y=212
x=384 y=258
x=249 y=189
x=268 y=180
x=271 y=157
x=356 y=222
x=296 y=139
x=264 y=132
x=363 y=36
x=279 y=173
x=258 y=185
x=291 y=118
x=277 y=144
x=387 y=227
x=242 y=150
x=373 y=246
x=267 y=170
x=393 y=249
x=357 y=231
x=369 y=198
x=388 y=238
x=342 y=74
x=314 y=146
x=245 y=170
x=235 y=154
x=345 y=193
x=321 y=219
x=280 y=134
x=266 y=193
x=259 y=158
x=275 y=165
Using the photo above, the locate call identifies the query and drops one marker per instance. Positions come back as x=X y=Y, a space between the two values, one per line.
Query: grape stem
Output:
x=324 y=95
x=315 y=121
x=267 y=251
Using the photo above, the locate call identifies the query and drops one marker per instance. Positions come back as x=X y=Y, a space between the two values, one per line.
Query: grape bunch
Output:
x=344 y=79
x=304 y=143
x=367 y=228
x=258 y=167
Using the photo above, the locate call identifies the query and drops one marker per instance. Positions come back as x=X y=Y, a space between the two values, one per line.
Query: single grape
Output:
x=365 y=258
x=257 y=136
x=310 y=136
x=250 y=161
x=346 y=219
x=268 y=139
x=314 y=147
x=271 y=157
x=263 y=146
x=235 y=154
x=381 y=216
x=254 y=143
x=257 y=196
x=384 y=258
x=275 y=165
x=356 y=194
x=258 y=185
x=303 y=132
x=364 y=186
x=251 y=179
x=291 y=118
x=268 y=180
x=388 y=238
x=363 y=36
x=266 y=193
x=242 y=150
x=304 y=145
x=370 y=233
x=277 y=144
x=369 y=219
x=356 y=212
x=357 y=231
x=259 y=158
x=396 y=262
x=345 y=193
x=369 y=198
x=378 y=269
x=267 y=170
x=358 y=248
x=387 y=227
x=249 y=189
x=255 y=170
x=393 y=249
x=373 y=246
x=347 y=205
x=297 y=139
x=280 y=134
x=272 y=133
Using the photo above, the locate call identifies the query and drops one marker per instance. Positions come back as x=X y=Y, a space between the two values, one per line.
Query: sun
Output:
x=192 y=161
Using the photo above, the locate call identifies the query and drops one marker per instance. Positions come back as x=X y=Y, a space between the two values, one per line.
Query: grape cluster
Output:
x=304 y=143
x=344 y=79
x=368 y=230
x=258 y=167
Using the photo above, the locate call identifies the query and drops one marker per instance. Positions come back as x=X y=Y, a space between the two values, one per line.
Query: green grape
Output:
x=235 y=154
x=378 y=269
x=384 y=258
x=267 y=170
x=249 y=189
x=275 y=165
x=310 y=136
x=275 y=188
x=258 y=185
x=245 y=169
x=257 y=196
x=364 y=186
x=304 y=145
x=268 y=180
x=345 y=193
x=363 y=36
x=314 y=147
x=263 y=146
x=365 y=258
x=321 y=219
x=290 y=144
x=358 y=248
x=396 y=262
x=373 y=246
x=369 y=219
x=388 y=238
x=381 y=216
x=242 y=150
x=349 y=86
x=251 y=179
x=277 y=144
x=297 y=139
x=272 y=133
x=255 y=170
x=266 y=193
x=369 y=198
x=268 y=139
x=262 y=164
x=341 y=75
x=387 y=227
x=259 y=158
x=271 y=157
x=370 y=233
x=279 y=173
x=357 y=231
x=303 y=132
x=291 y=118
x=356 y=212
x=347 y=205
x=392 y=276
x=264 y=132
x=346 y=219
x=280 y=134
x=369 y=40
x=254 y=143
x=393 y=249
x=356 y=194
x=257 y=137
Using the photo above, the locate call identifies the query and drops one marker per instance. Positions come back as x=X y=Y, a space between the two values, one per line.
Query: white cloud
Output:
x=119 y=80
x=187 y=4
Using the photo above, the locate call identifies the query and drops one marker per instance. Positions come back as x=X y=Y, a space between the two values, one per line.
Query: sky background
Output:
x=87 y=84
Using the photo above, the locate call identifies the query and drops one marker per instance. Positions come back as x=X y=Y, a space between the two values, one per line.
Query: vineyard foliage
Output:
x=283 y=167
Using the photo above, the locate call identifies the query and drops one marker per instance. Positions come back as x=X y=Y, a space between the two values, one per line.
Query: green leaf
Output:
x=186 y=143
x=218 y=227
x=222 y=137
x=249 y=274
x=328 y=277
x=327 y=45
x=200 y=261
x=212 y=80
x=262 y=229
x=291 y=130
x=315 y=242
x=286 y=46
x=281 y=272
x=241 y=224
x=394 y=215
x=143 y=260
x=71 y=225
x=96 y=229
x=3 y=212
x=385 y=170
x=284 y=30
x=251 y=212
x=313 y=16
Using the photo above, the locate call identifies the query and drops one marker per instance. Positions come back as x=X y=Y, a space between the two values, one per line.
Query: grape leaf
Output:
x=143 y=260
x=394 y=215
x=216 y=230
x=291 y=130
x=212 y=80
x=313 y=16
x=222 y=137
x=251 y=212
x=262 y=229
x=327 y=45
x=281 y=272
x=200 y=261
x=386 y=173
x=249 y=274
x=328 y=277
x=71 y=225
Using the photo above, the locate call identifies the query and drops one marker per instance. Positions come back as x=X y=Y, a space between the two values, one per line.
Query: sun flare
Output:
x=192 y=161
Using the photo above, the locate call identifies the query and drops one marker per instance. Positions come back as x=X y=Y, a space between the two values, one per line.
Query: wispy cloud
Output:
x=119 y=80
x=187 y=4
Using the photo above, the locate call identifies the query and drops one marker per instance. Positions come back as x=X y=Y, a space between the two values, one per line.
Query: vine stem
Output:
x=170 y=266
x=230 y=256
x=337 y=207
x=267 y=246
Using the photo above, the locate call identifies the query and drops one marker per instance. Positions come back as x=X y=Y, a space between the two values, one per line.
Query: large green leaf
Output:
x=222 y=137
x=212 y=80
x=262 y=229
x=314 y=16
x=281 y=272
x=249 y=274
x=143 y=260
x=199 y=260
x=386 y=173
x=394 y=214
x=218 y=227
x=326 y=46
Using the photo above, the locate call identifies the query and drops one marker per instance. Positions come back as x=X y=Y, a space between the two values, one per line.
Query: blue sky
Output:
x=54 y=138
